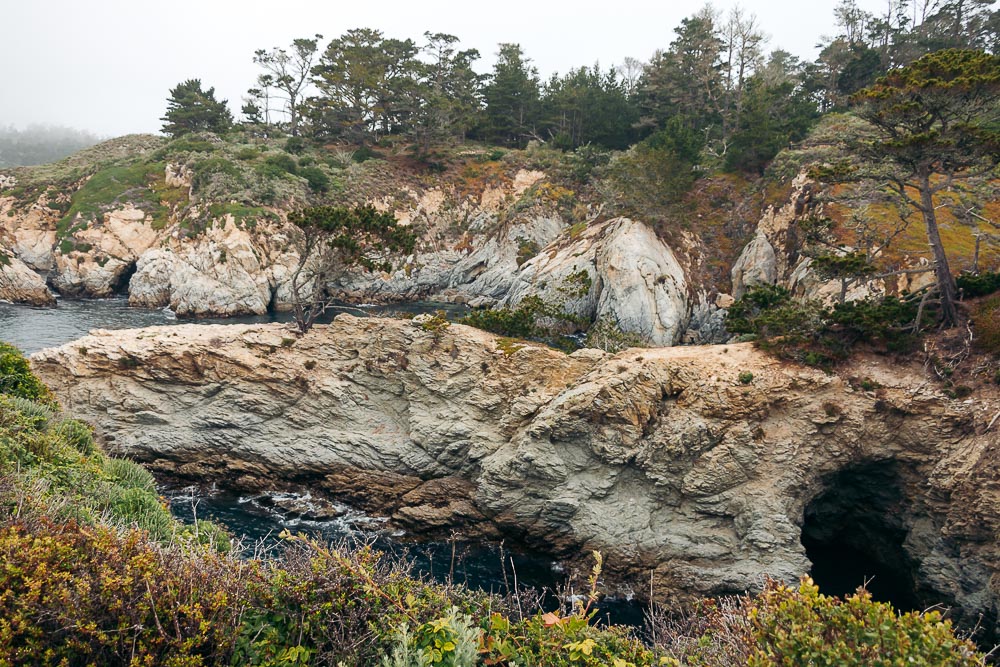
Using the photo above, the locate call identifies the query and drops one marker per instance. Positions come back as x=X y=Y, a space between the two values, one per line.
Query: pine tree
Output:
x=191 y=109
x=512 y=98
x=934 y=124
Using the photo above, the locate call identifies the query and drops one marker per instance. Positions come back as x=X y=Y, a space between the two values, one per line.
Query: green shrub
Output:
x=77 y=434
x=247 y=154
x=128 y=475
x=449 y=641
x=133 y=506
x=16 y=378
x=206 y=170
x=39 y=414
x=803 y=627
x=978 y=285
x=295 y=145
x=535 y=319
x=316 y=177
x=363 y=154
x=817 y=336
x=605 y=334
x=283 y=162
x=746 y=377
x=515 y=322
x=187 y=145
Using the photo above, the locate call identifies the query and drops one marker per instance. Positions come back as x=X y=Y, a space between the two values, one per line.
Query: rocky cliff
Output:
x=697 y=468
x=189 y=231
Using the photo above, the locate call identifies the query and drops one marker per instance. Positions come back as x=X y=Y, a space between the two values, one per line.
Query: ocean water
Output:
x=257 y=520
x=32 y=329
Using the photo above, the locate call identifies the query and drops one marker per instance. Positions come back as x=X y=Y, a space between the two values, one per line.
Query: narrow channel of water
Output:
x=259 y=519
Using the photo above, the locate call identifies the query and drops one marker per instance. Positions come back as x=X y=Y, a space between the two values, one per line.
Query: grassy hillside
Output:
x=710 y=216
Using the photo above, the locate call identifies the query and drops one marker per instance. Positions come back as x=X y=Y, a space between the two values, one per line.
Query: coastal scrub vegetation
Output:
x=819 y=335
x=94 y=570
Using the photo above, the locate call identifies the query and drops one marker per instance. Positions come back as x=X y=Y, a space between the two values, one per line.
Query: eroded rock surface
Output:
x=20 y=284
x=698 y=464
x=618 y=270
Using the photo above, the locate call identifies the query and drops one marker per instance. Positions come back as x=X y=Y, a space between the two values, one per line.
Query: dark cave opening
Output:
x=121 y=283
x=854 y=531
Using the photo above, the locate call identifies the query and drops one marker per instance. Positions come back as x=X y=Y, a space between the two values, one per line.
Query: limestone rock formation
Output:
x=20 y=284
x=618 y=270
x=228 y=270
x=707 y=466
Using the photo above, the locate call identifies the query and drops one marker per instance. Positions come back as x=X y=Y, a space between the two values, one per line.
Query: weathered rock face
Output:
x=20 y=284
x=772 y=254
x=227 y=271
x=703 y=465
x=475 y=248
x=104 y=254
x=757 y=265
x=617 y=270
x=480 y=272
x=32 y=233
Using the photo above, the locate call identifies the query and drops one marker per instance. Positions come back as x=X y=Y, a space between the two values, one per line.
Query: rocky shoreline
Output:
x=494 y=247
x=699 y=468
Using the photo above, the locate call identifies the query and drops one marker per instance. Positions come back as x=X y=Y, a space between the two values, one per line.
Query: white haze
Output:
x=106 y=65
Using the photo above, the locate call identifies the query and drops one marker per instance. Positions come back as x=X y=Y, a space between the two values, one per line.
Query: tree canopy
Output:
x=935 y=124
x=331 y=241
x=191 y=109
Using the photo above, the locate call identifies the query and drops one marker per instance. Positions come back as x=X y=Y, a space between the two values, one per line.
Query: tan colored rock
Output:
x=178 y=176
x=222 y=272
x=617 y=270
x=19 y=284
x=32 y=233
x=525 y=178
x=667 y=459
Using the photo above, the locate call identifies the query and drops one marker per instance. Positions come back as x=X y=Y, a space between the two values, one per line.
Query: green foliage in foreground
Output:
x=979 y=284
x=16 y=378
x=803 y=627
x=54 y=461
x=93 y=571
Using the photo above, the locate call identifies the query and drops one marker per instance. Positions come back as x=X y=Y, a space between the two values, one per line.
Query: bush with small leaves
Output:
x=817 y=336
x=803 y=627
x=979 y=284
x=77 y=434
x=16 y=378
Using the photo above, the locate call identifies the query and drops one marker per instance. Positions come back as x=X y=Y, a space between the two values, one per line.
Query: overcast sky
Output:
x=107 y=65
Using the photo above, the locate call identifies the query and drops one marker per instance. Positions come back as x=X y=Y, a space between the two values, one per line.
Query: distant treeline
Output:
x=38 y=144
x=716 y=95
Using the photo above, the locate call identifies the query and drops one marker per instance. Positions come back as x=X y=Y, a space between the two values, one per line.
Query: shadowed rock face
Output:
x=661 y=458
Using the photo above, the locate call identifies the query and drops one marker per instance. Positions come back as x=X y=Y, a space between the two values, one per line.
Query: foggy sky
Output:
x=107 y=65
